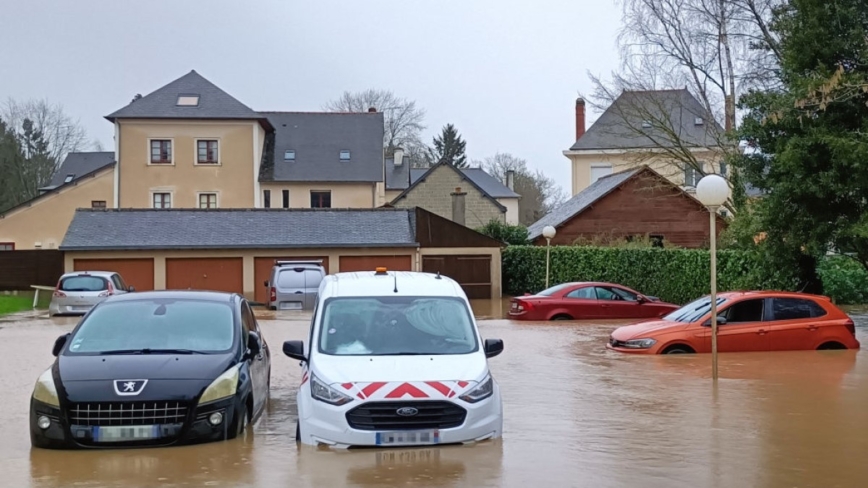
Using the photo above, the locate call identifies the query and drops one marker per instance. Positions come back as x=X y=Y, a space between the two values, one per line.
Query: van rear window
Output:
x=83 y=283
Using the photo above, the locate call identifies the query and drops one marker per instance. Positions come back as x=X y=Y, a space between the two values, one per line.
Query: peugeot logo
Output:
x=407 y=411
x=129 y=387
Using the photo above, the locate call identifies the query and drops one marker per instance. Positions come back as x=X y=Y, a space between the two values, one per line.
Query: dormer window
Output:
x=289 y=155
x=646 y=124
x=188 y=100
x=345 y=155
x=68 y=178
x=698 y=121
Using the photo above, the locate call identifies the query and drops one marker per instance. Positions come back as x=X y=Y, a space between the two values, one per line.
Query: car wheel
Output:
x=239 y=423
x=297 y=431
x=678 y=350
x=562 y=317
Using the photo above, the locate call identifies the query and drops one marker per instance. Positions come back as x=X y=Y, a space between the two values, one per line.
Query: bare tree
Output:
x=62 y=133
x=403 y=120
x=539 y=193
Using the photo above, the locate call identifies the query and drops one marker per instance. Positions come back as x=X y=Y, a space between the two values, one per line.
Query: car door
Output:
x=745 y=329
x=614 y=306
x=290 y=288
x=312 y=279
x=119 y=284
x=793 y=324
x=628 y=306
x=582 y=303
x=259 y=364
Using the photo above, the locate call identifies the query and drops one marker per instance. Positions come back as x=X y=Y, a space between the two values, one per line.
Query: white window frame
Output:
x=171 y=159
x=171 y=198
x=196 y=151
x=199 y=199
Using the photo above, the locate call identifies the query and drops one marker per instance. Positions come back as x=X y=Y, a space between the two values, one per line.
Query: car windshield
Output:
x=694 y=310
x=83 y=283
x=154 y=325
x=374 y=326
x=551 y=291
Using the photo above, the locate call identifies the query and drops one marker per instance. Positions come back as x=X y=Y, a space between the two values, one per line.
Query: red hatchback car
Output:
x=587 y=300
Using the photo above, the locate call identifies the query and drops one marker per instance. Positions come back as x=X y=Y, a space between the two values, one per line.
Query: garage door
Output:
x=216 y=274
x=370 y=263
x=138 y=273
x=472 y=272
x=262 y=272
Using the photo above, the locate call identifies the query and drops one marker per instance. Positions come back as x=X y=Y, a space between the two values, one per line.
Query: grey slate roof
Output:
x=79 y=164
x=620 y=126
x=401 y=177
x=126 y=229
x=580 y=201
x=317 y=139
x=419 y=178
x=214 y=103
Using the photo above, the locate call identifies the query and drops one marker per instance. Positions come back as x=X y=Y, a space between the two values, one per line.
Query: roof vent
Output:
x=698 y=121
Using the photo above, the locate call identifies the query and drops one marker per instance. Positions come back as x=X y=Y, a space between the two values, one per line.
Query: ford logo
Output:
x=407 y=411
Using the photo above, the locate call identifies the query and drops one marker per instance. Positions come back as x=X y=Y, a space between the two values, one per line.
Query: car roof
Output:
x=408 y=283
x=214 y=296
x=771 y=294
x=102 y=274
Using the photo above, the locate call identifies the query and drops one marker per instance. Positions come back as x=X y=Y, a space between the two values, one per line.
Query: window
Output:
x=119 y=282
x=723 y=168
x=266 y=198
x=68 y=178
x=692 y=175
x=600 y=170
x=162 y=200
x=7 y=246
x=320 y=199
x=746 y=311
x=97 y=204
x=188 y=100
x=161 y=151
x=795 y=308
x=615 y=294
x=345 y=155
x=83 y=283
x=289 y=155
x=586 y=293
x=554 y=289
x=285 y=198
x=207 y=152
x=207 y=200
x=694 y=310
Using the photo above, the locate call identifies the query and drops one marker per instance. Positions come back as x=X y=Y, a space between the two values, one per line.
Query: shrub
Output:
x=515 y=235
x=844 y=279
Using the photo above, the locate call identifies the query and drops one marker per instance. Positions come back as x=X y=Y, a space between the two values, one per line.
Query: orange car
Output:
x=747 y=321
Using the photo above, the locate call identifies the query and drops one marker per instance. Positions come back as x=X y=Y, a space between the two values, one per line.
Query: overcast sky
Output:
x=505 y=72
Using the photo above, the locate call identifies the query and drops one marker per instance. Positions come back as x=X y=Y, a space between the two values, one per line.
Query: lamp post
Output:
x=549 y=233
x=713 y=191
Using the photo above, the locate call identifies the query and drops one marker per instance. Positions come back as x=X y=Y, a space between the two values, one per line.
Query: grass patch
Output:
x=23 y=302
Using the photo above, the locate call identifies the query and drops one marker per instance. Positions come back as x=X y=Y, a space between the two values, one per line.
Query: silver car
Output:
x=294 y=285
x=76 y=293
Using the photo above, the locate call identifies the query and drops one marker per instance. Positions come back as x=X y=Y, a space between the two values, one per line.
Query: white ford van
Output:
x=395 y=359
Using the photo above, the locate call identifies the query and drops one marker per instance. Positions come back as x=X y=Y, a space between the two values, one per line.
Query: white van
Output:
x=395 y=359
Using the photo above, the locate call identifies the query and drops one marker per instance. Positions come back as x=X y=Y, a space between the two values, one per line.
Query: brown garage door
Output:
x=370 y=263
x=262 y=272
x=138 y=273
x=473 y=273
x=216 y=274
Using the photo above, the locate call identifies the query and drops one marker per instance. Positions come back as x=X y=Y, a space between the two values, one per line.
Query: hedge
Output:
x=844 y=279
x=674 y=275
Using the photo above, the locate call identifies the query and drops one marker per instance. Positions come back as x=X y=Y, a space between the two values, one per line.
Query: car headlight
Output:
x=45 y=391
x=484 y=390
x=639 y=343
x=224 y=386
x=324 y=393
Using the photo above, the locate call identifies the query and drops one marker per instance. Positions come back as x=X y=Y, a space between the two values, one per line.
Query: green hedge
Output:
x=844 y=279
x=674 y=275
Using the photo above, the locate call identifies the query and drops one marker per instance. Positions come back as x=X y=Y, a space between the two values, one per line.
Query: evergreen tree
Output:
x=449 y=148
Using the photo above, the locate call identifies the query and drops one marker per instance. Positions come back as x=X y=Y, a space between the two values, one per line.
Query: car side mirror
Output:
x=641 y=299
x=493 y=347
x=254 y=343
x=265 y=283
x=721 y=320
x=59 y=343
x=131 y=289
x=294 y=349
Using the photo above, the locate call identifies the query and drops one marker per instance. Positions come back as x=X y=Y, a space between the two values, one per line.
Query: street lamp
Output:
x=549 y=233
x=713 y=191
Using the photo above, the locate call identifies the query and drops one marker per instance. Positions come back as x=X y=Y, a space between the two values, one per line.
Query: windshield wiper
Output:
x=150 y=351
x=409 y=354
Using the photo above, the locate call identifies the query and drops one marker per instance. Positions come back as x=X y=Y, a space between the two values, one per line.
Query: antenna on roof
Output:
x=396 y=282
x=438 y=276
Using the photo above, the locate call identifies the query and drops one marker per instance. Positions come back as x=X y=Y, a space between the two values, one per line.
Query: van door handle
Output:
x=761 y=332
x=299 y=292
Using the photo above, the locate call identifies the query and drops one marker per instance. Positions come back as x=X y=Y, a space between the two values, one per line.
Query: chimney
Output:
x=399 y=157
x=580 y=118
x=372 y=110
x=458 y=206
x=510 y=179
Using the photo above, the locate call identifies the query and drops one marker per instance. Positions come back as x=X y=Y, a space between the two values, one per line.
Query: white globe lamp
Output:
x=713 y=191
x=549 y=233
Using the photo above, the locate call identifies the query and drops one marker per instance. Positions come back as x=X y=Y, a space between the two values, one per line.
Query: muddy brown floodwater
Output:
x=575 y=414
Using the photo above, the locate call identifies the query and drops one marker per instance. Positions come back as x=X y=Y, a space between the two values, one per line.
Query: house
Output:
x=631 y=203
x=432 y=188
x=645 y=128
x=189 y=144
x=233 y=250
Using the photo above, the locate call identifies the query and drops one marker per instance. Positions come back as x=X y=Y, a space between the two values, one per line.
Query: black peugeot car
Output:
x=154 y=369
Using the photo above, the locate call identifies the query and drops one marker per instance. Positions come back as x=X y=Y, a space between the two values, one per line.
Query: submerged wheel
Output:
x=562 y=316
x=678 y=350
x=831 y=346
x=239 y=423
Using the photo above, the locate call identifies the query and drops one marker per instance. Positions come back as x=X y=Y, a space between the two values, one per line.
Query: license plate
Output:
x=408 y=438
x=130 y=433
x=290 y=305
x=405 y=457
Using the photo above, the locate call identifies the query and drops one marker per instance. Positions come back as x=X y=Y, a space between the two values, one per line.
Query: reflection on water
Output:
x=575 y=415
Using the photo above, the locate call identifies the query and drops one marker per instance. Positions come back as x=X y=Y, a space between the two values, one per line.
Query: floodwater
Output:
x=575 y=415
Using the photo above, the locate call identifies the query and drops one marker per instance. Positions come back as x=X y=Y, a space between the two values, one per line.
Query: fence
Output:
x=21 y=269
